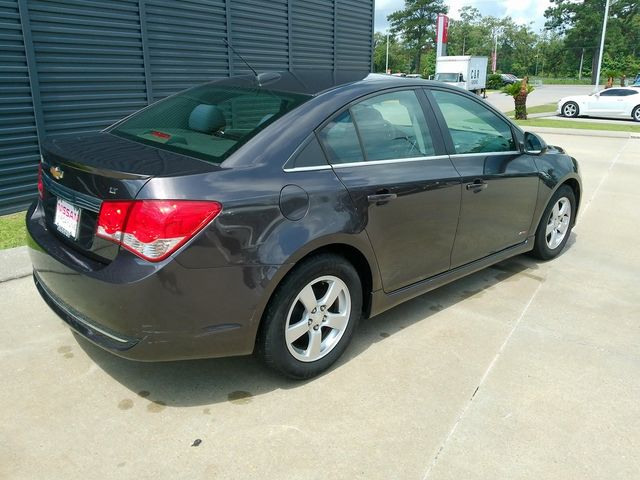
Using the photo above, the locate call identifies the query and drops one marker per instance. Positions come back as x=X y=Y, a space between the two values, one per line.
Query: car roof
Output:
x=630 y=87
x=315 y=82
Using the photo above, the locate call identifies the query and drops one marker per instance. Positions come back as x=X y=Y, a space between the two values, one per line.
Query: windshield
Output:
x=208 y=122
x=447 y=77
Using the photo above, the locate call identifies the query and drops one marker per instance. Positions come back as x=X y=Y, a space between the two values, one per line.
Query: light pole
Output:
x=386 y=64
x=494 y=60
x=604 y=31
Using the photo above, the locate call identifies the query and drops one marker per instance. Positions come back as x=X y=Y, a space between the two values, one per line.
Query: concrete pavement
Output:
x=525 y=370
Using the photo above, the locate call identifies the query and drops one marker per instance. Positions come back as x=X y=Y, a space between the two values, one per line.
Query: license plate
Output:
x=67 y=219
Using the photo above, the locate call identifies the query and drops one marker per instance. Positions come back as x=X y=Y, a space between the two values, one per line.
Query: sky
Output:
x=522 y=11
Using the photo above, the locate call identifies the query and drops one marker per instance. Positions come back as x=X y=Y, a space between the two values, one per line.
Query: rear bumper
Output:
x=144 y=311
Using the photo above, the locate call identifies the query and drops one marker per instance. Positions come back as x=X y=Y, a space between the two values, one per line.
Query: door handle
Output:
x=477 y=185
x=381 y=198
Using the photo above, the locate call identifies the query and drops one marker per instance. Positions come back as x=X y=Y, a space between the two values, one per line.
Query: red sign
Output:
x=442 y=34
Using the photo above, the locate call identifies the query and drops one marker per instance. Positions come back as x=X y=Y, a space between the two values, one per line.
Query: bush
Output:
x=494 y=81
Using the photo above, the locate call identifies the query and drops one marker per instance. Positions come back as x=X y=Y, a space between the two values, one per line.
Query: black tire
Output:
x=541 y=247
x=272 y=345
x=636 y=114
x=570 y=109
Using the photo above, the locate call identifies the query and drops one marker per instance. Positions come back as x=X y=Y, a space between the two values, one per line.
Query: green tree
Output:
x=519 y=91
x=399 y=55
x=580 y=23
x=416 y=25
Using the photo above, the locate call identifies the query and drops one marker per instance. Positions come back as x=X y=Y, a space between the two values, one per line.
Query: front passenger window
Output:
x=473 y=127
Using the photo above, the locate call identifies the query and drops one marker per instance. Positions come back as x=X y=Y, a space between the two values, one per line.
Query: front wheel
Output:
x=556 y=223
x=570 y=109
x=311 y=317
x=636 y=114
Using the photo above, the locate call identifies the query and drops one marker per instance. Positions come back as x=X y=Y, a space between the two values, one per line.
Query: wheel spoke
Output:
x=332 y=294
x=308 y=298
x=295 y=331
x=337 y=320
x=549 y=228
x=315 y=342
x=564 y=209
x=556 y=210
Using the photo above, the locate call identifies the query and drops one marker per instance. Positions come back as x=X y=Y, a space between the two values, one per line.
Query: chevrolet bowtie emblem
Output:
x=56 y=173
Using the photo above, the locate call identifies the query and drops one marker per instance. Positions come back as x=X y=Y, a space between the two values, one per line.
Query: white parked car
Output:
x=623 y=102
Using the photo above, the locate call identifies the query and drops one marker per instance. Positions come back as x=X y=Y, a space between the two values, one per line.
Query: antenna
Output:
x=239 y=56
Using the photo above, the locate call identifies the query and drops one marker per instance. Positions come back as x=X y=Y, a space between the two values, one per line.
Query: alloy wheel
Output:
x=558 y=223
x=318 y=318
x=570 y=110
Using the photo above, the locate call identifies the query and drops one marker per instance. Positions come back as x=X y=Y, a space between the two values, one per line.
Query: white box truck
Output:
x=464 y=71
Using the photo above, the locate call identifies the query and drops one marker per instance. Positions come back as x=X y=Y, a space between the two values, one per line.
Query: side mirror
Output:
x=534 y=144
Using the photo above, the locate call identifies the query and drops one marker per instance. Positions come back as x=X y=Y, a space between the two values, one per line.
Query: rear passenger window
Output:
x=473 y=127
x=341 y=140
x=392 y=126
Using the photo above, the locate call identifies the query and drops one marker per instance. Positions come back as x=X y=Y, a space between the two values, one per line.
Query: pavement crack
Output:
x=16 y=277
x=480 y=383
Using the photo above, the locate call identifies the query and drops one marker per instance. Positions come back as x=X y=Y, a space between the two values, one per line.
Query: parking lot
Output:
x=523 y=370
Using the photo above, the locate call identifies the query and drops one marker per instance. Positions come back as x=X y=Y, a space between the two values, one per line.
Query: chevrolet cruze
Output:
x=271 y=213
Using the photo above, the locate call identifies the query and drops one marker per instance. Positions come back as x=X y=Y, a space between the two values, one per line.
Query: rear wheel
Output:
x=311 y=318
x=556 y=224
x=636 y=114
x=570 y=109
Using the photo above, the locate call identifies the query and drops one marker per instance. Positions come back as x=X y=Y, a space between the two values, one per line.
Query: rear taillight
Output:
x=154 y=229
x=40 y=184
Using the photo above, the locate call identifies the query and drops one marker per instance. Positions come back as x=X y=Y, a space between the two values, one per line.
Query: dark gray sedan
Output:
x=271 y=213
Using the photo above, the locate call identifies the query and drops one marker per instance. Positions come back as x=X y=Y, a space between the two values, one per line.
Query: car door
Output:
x=607 y=102
x=499 y=183
x=389 y=154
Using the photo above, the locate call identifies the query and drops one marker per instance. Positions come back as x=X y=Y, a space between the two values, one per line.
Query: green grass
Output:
x=562 y=81
x=12 y=230
x=612 y=127
x=546 y=108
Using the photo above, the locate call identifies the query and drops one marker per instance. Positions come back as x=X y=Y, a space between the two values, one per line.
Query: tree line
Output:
x=570 y=39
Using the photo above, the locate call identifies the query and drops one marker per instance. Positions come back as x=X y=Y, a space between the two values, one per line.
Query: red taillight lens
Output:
x=40 y=184
x=154 y=229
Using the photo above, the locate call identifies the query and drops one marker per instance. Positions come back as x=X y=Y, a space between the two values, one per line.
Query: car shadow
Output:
x=205 y=382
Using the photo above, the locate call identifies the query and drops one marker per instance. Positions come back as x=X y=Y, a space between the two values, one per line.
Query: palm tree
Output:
x=519 y=92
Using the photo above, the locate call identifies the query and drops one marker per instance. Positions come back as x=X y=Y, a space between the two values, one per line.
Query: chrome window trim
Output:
x=307 y=169
x=396 y=160
x=486 y=154
x=391 y=160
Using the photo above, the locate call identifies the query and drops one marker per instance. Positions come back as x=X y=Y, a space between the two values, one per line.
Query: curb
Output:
x=14 y=264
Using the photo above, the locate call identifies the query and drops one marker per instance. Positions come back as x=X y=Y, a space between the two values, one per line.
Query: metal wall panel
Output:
x=19 y=152
x=186 y=44
x=354 y=20
x=312 y=34
x=260 y=33
x=89 y=60
x=71 y=66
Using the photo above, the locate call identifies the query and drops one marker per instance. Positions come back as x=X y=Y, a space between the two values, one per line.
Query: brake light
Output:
x=40 y=184
x=154 y=229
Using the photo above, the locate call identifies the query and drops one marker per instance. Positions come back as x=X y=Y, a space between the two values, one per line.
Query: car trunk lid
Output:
x=79 y=172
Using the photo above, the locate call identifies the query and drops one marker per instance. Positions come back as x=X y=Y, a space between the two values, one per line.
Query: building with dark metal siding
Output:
x=69 y=66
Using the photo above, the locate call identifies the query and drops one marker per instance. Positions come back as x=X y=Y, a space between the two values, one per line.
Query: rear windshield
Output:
x=208 y=122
